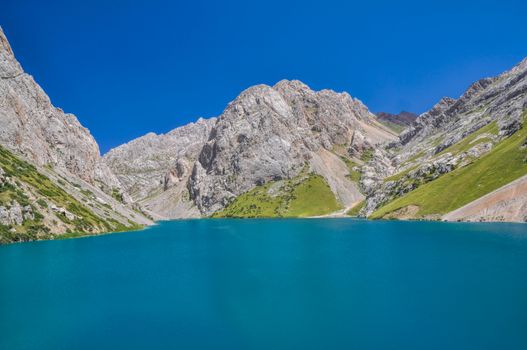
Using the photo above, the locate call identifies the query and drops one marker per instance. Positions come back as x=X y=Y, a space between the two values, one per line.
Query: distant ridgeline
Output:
x=276 y=151
x=397 y=122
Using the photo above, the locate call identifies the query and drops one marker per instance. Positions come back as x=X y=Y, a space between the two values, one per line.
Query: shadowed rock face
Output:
x=403 y=119
x=44 y=134
x=154 y=169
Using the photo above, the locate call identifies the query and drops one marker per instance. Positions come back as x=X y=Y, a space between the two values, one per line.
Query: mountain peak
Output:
x=291 y=84
x=9 y=66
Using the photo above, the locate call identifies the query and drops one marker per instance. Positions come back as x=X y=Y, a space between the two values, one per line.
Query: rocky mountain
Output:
x=273 y=142
x=154 y=169
x=282 y=150
x=52 y=177
x=397 y=122
x=272 y=133
x=266 y=134
x=460 y=150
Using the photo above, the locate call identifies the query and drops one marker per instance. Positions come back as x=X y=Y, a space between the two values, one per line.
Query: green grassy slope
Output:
x=354 y=175
x=505 y=163
x=28 y=181
x=305 y=195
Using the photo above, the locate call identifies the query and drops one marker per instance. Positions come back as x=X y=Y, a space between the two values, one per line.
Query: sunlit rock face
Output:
x=44 y=134
x=267 y=133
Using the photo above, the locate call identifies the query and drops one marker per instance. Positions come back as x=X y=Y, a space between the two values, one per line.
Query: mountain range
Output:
x=275 y=151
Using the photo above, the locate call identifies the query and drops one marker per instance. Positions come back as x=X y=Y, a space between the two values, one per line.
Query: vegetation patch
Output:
x=367 y=155
x=505 y=163
x=354 y=175
x=8 y=193
x=354 y=211
x=304 y=195
x=117 y=195
x=85 y=220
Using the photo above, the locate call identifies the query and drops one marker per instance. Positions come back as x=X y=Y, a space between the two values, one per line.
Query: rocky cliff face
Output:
x=154 y=169
x=52 y=178
x=267 y=133
x=44 y=134
x=271 y=133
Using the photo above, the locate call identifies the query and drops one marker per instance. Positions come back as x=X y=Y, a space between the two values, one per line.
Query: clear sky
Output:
x=129 y=67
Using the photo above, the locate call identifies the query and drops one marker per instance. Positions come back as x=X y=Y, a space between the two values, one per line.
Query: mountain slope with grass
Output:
x=39 y=203
x=275 y=151
x=270 y=135
x=302 y=196
x=506 y=162
x=508 y=203
x=458 y=152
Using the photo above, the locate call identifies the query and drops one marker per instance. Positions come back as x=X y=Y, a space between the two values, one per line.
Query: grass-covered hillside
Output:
x=32 y=206
x=304 y=195
x=506 y=162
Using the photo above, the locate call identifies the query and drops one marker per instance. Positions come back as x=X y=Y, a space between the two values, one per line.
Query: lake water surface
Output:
x=270 y=284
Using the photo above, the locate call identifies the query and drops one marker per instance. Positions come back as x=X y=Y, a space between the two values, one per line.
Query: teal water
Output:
x=270 y=284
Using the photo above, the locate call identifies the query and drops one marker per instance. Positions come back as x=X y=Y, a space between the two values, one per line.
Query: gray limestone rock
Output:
x=44 y=134
x=271 y=133
x=266 y=133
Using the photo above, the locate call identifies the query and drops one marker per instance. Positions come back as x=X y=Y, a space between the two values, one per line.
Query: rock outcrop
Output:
x=154 y=169
x=14 y=214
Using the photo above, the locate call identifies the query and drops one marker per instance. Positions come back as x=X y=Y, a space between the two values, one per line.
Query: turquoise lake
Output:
x=270 y=284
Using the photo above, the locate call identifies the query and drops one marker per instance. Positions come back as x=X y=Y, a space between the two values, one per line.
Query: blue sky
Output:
x=131 y=67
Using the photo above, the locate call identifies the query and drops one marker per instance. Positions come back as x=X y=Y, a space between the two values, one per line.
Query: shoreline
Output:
x=322 y=217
